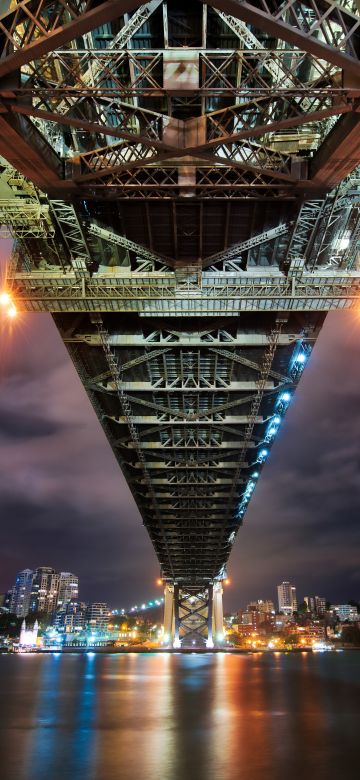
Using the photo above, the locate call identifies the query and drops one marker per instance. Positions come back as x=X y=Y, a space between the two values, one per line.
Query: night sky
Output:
x=64 y=502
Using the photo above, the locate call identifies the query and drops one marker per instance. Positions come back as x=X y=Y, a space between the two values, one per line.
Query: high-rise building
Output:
x=287 y=598
x=310 y=603
x=316 y=604
x=42 y=597
x=68 y=588
x=21 y=594
x=320 y=605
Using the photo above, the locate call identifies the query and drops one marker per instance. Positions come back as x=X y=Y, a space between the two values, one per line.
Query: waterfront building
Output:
x=287 y=598
x=346 y=612
x=68 y=588
x=74 y=616
x=44 y=590
x=21 y=593
x=98 y=616
x=71 y=617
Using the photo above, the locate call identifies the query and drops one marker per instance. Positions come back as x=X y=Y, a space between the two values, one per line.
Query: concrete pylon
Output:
x=210 y=637
x=168 y=615
x=176 y=639
x=218 y=613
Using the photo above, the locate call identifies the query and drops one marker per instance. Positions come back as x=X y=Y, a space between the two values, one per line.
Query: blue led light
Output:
x=262 y=455
x=277 y=420
x=255 y=475
x=301 y=358
x=285 y=397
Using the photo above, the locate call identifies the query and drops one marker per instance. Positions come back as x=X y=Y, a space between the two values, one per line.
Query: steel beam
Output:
x=70 y=23
x=235 y=250
x=183 y=387
x=293 y=32
x=132 y=246
x=152 y=420
x=222 y=294
x=339 y=153
x=161 y=339
x=24 y=147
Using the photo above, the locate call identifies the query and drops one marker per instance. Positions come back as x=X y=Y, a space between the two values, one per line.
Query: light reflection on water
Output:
x=179 y=717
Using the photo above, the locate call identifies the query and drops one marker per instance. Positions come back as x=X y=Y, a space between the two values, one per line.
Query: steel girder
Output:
x=157 y=295
x=329 y=30
x=32 y=29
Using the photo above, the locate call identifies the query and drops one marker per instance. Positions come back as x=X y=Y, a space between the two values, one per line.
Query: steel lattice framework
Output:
x=181 y=181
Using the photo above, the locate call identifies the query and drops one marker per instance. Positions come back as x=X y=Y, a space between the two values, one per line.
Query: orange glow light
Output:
x=159 y=581
x=11 y=312
x=5 y=299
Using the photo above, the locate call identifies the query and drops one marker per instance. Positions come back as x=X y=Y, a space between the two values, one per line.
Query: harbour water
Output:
x=180 y=717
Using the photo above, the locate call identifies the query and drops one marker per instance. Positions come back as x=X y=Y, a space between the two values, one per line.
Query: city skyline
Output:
x=64 y=498
x=51 y=596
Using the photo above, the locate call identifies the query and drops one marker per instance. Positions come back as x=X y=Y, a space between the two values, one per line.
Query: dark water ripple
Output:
x=174 y=717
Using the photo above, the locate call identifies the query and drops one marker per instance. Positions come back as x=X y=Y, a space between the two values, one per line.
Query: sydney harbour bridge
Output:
x=180 y=180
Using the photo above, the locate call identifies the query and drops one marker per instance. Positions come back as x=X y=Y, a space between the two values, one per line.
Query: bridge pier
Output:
x=193 y=617
x=218 y=614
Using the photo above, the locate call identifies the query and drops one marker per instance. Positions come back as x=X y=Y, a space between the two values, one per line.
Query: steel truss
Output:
x=144 y=254
x=155 y=294
x=328 y=30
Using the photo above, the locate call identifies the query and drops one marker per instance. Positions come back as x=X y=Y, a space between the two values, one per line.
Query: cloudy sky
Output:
x=64 y=502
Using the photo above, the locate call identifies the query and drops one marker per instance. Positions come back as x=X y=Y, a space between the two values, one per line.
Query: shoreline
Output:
x=181 y=651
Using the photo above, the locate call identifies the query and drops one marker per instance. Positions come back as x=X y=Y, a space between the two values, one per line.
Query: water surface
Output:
x=180 y=717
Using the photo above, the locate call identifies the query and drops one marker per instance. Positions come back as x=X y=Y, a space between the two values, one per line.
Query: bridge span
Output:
x=181 y=183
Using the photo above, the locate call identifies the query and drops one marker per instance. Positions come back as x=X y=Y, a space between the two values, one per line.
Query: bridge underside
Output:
x=191 y=410
x=182 y=184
